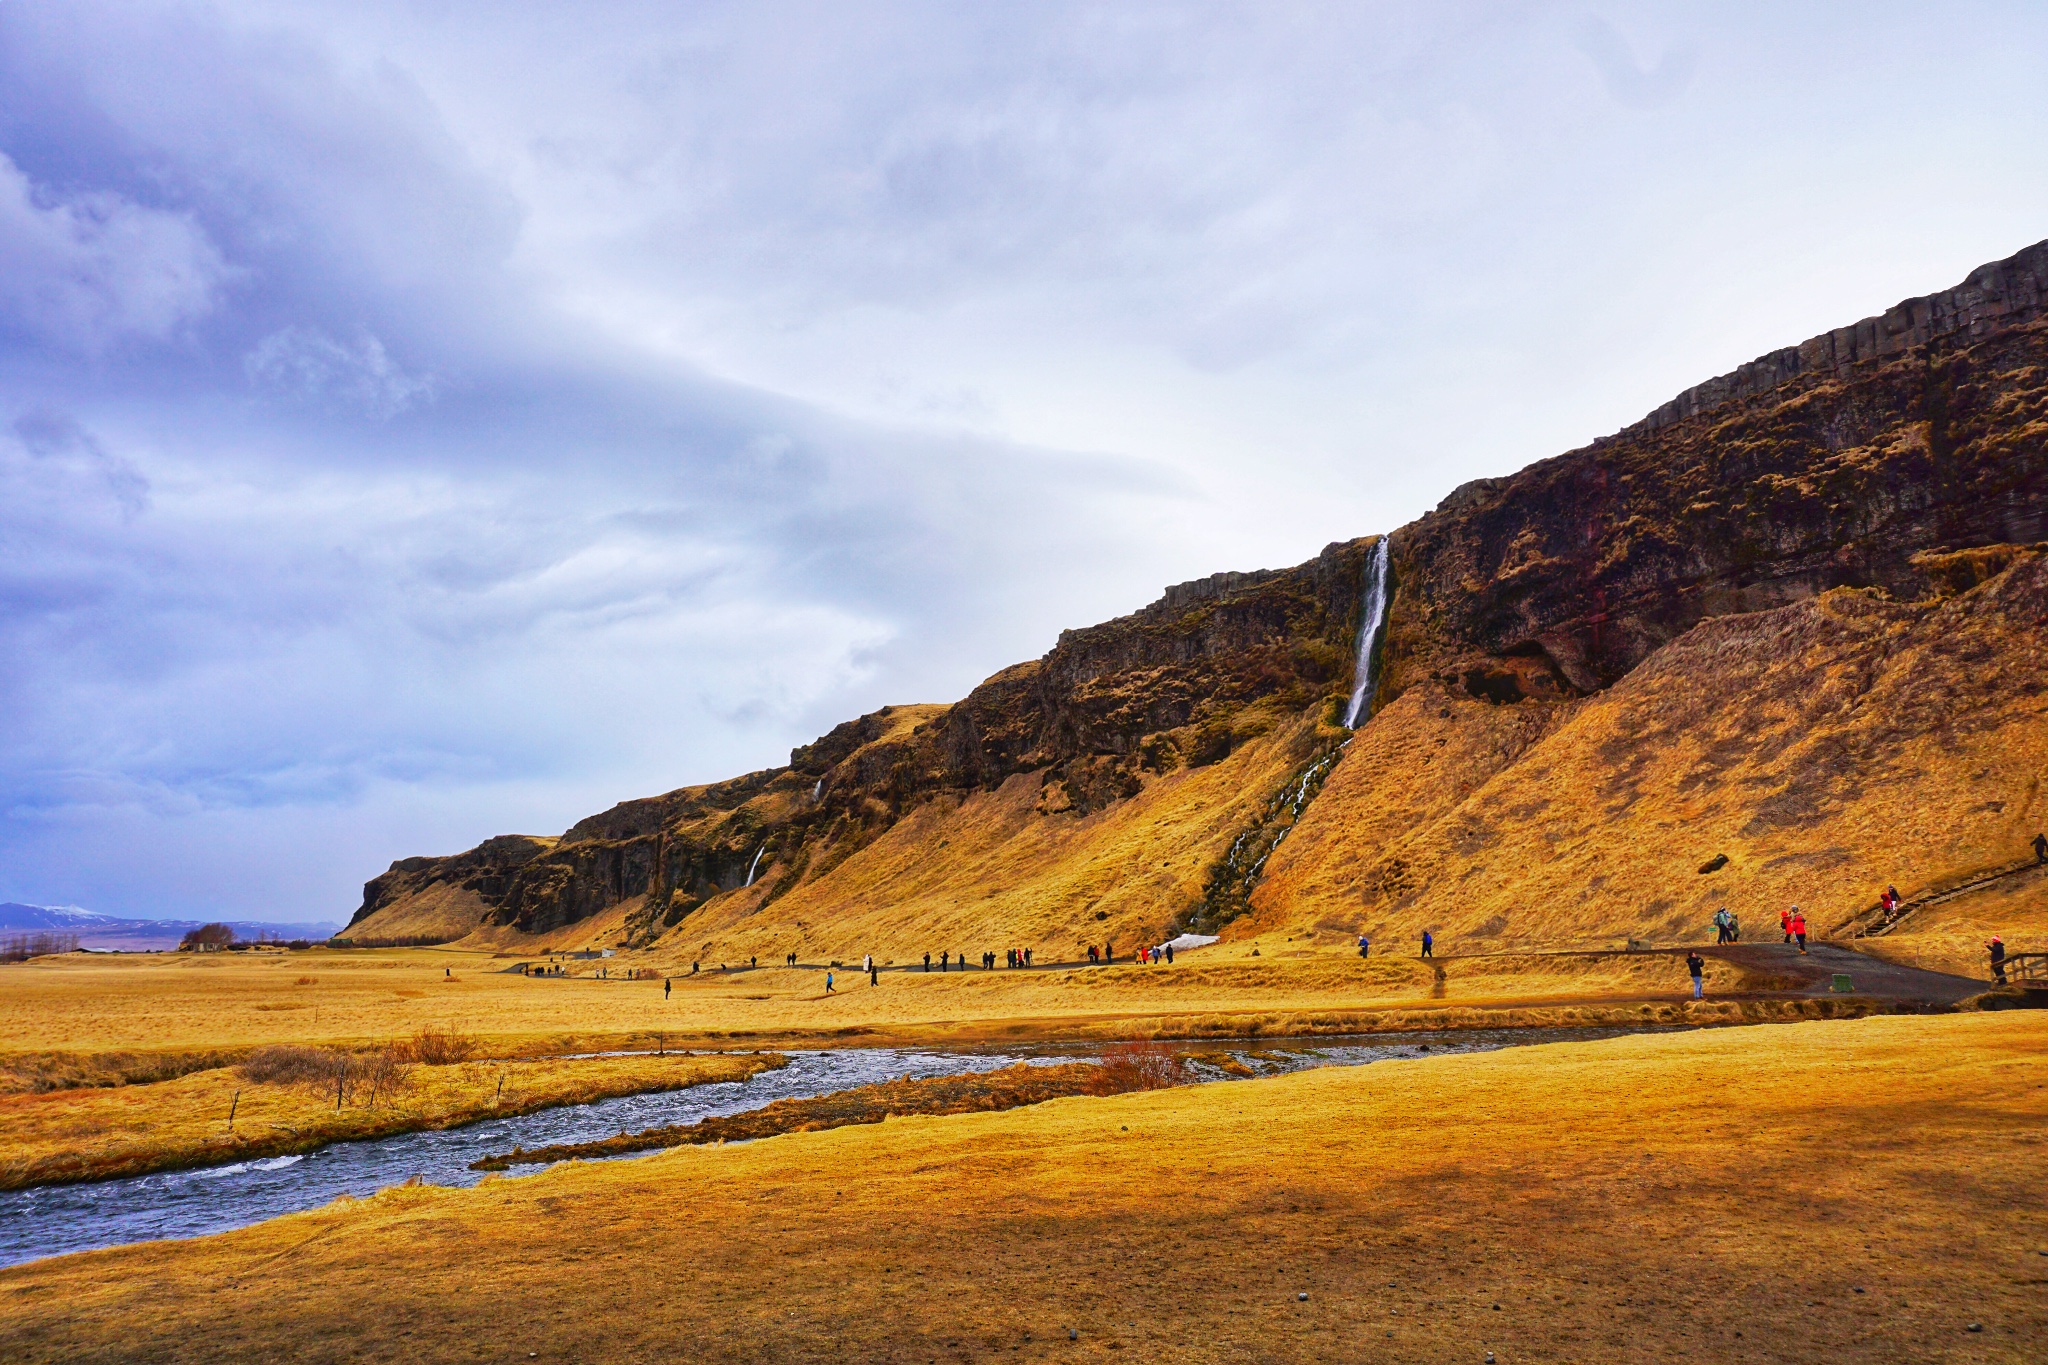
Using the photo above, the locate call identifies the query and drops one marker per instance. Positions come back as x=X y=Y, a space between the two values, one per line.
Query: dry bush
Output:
x=439 y=1047
x=1139 y=1065
x=306 y=980
x=38 y=1073
x=293 y=1064
x=385 y=1072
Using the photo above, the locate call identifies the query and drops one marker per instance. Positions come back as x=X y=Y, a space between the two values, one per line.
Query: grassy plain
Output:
x=82 y=1006
x=1832 y=1191
x=102 y=1132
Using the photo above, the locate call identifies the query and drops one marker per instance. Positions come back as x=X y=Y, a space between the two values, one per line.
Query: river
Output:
x=53 y=1220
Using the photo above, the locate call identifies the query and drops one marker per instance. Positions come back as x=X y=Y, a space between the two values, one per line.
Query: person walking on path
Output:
x=1169 y=954
x=828 y=983
x=1785 y=922
x=927 y=961
x=1734 y=927
x=1996 y=947
x=1798 y=927
x=665 y=983
x=1697 y=965
x=1721 y=925
x=874 y=972
x=1428 y=944
x=2041 y=848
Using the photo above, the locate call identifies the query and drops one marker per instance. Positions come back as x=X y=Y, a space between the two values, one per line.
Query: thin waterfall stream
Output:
x=1372 y=620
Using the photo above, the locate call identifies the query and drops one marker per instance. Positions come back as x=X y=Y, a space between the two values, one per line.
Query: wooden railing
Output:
x=2027 y=969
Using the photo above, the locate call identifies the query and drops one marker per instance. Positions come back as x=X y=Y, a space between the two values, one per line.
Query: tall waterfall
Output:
x=756 y=863
x=1372 y=620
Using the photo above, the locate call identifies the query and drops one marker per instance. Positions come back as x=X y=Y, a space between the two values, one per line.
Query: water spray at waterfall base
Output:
x=1372 y=620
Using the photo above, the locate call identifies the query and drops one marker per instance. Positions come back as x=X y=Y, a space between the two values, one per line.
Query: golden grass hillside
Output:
x=1828 y=1192
x=1826 y=748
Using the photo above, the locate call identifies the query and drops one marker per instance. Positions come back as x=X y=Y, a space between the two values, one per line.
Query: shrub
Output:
x=207 y=936
x=1143 y=1065
x=439 y=1047
x=292 y=1064
x=385 y=1071
x=306 y=980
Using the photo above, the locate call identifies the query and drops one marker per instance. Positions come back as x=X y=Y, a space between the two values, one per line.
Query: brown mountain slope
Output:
x=1826 y=748
x=1558 y=731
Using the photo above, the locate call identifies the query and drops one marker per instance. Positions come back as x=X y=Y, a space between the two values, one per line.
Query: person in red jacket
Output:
x=1785 y=922
x=1799 y=928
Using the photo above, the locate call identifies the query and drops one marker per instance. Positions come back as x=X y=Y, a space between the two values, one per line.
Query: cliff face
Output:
x=1919 y=429
x=1111 y=705
x=1140 y=774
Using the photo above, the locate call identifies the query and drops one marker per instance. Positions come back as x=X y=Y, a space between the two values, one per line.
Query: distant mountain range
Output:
x=95 y=930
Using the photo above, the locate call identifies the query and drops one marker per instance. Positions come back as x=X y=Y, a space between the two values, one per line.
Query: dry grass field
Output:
x=102 y=1132
x=1834 y=1191
x=151 y=1009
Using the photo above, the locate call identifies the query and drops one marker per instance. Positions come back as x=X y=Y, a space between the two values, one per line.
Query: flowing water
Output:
x=1372 y=618
x=63 y=1218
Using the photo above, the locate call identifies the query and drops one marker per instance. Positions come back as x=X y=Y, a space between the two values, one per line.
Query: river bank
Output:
x=218 y=1117
x=1718 y=1194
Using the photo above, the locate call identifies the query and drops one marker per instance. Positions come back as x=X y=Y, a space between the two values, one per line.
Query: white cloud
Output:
x=307 y=365
x=86 y=270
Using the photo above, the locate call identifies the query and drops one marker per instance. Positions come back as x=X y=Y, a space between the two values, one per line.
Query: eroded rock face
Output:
x=1559 y=580
x=1885 y=455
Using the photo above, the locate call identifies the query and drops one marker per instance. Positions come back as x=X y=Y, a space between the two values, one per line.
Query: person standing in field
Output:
x=1169 y=954
x=927 y=961
x=2041 y=848
x=1697 y=965
x=1798 y=927
x=1996 y=947
x=665 y=984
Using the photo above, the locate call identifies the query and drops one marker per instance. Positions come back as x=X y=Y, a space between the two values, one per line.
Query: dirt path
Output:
x=1814 y=973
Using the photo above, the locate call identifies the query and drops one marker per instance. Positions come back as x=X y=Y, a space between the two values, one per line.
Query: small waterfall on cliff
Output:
x=1372 y=619
x=818 y=792
x=756 y=863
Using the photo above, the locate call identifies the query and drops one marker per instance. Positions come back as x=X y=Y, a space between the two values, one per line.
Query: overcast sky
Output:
x=424 y=421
